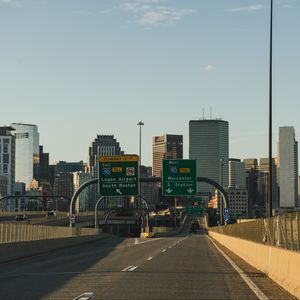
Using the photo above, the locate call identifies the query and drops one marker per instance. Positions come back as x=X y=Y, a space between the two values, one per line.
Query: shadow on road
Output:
x=39 y=276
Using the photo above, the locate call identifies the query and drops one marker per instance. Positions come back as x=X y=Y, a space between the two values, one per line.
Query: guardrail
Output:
x=280 y=231
x=10 y=233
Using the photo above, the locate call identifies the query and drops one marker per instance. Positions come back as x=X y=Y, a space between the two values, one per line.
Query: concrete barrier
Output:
x=162 y=229
x=282 y=266
x=13 y=251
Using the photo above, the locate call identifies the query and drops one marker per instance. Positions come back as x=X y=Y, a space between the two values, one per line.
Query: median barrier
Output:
x=281 y=265
x=14 y=251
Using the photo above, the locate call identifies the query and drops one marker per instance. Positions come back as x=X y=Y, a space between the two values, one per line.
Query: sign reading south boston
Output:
x=179 y=177
x=118 y=175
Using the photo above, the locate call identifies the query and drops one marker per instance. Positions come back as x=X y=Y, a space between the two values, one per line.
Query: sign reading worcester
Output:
x=179 y=177
x=118 y=175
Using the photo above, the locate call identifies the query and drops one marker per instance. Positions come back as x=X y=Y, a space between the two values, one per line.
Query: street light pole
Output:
x=270 y=191
x=221 y=196
x=140 y=153
x=140 y=163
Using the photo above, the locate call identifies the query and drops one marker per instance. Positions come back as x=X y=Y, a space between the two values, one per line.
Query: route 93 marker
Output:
x=179 y=177
x=118 y=175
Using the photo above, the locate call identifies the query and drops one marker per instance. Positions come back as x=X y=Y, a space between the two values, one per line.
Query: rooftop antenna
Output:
x=203 y=112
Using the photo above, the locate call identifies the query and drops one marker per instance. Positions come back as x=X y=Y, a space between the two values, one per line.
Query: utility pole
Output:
x=270 y=185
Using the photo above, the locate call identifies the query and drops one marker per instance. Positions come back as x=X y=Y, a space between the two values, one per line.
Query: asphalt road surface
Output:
x=186 y=266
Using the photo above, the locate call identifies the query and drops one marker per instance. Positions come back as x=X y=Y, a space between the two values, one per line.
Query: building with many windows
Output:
x=168 y=146
x=288 y=167
x=238 y=202
x=27 y=151
x=85 y=198
x=237 y=173
x=208 y=144
x=7 y=159
x=64 y=185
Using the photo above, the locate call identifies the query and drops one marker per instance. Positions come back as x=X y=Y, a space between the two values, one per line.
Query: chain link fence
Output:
x=10 y=233
x=280 y=231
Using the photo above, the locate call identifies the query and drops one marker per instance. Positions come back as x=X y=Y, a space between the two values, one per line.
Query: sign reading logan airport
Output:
x=118 y=175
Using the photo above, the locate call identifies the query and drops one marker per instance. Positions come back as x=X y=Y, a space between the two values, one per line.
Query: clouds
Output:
x=152 y=12
x=209 y=68
x=250 y=8
x=15 y=3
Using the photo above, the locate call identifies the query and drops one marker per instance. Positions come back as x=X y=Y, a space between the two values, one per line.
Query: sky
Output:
x=78 y=68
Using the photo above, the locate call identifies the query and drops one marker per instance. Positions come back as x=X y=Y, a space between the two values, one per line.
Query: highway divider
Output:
x=281 y=265
x=19 y=241
x=10 y=233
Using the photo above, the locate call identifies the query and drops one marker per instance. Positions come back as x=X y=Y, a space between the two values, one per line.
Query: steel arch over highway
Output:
x=94 y=181
x=151 y=179
x=217 y=186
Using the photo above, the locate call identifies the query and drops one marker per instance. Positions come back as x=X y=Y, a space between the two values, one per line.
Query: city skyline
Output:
x=104 y=66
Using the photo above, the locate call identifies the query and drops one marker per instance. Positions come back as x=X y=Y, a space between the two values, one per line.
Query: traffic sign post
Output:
x=226 y=215
x=118 y=175
x=179 y=177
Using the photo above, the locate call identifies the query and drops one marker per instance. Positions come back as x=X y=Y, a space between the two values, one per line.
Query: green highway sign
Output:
x=179 y=177
x=118 y=175
x=194 y=210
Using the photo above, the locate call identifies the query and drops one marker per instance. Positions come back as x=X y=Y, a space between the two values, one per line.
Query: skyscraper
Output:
x=7 y=158
x=288 y=167
x=209 y=146
x=263 y=180
x=27 y=151
x=168 y=146
x=103 y=145
x=41 y=169
x=237 y=173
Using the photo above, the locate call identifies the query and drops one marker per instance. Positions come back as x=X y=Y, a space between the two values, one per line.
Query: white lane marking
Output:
x=150 y=258
x=132 y=269
x=148 y=241
x=126 y=269
x=255 y=289
x=170 y=247
x=164 y=250
x=85 y=296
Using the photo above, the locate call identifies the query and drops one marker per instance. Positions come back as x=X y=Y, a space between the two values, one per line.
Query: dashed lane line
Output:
x=126 y=269
x=132 y=269
x=85 y=296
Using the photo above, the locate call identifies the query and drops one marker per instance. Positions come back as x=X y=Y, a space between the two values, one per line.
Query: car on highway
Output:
x=22 y=217
x=195 y=227
x=51 y=213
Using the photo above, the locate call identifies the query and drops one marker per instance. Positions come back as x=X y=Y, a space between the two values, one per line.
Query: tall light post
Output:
x=140 y=153
x=270 y=190
x=140 y=163
x=221 y=196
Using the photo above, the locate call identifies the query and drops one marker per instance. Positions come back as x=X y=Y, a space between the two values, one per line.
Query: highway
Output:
x=185 y=266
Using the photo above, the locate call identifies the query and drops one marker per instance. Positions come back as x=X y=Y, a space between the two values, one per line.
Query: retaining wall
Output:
x=282 y=266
